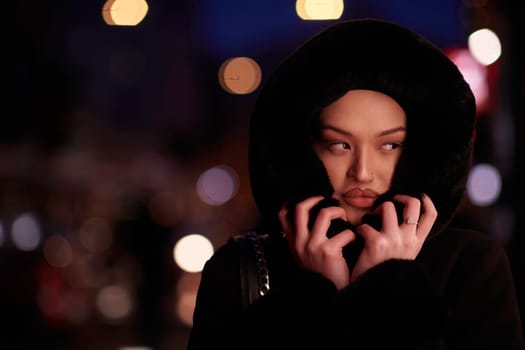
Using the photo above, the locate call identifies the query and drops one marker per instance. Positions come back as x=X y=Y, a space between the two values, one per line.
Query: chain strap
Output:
x=263 y=275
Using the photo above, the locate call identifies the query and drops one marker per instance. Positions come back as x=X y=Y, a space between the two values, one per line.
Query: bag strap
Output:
x=254 y=273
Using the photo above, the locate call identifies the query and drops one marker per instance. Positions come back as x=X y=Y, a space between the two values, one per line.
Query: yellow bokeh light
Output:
x=124 y=12
x=319 y=9
x=240 y=75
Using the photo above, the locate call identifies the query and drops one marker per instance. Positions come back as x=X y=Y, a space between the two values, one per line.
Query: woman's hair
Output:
x=363 y=54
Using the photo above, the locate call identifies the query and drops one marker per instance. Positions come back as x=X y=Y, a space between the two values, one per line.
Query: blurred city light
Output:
x=95 y=235
x=57 y=251
x=319 y=9
x=25 y=232
x=124 y=12
x=186 y=296
x=484 y=184
x=114 y=303
x=475 y=74
x=217 y=185
x=185 y=306
x=485 y=46
x=192 y=251
x=240 y=75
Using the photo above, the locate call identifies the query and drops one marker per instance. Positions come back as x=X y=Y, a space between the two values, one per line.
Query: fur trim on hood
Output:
x=363 y=54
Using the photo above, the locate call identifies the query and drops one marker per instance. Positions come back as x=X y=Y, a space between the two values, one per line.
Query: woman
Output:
x=360 y=147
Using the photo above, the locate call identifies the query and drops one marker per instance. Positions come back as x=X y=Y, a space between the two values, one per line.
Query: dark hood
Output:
x=363 y=54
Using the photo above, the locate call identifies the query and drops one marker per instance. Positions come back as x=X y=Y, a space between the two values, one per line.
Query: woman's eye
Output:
x=339 y=146
x=391 y=146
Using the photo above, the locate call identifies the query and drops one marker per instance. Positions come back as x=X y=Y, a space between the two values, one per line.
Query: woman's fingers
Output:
x=323 y=222
x=411 y=209
x=388 y=216
x=300 y=222
x=283 y=219
x=427 y=218
x=299 y=234
x=302 y=212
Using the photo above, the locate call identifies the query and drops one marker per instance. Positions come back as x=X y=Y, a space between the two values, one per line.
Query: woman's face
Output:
x=360 y=141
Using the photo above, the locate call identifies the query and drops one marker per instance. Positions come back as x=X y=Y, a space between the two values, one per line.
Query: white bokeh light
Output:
x=192 y=251
x=484 y=184
x=25 y=232
x=485 y=46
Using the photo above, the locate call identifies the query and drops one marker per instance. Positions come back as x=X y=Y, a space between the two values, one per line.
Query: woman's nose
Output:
x=361 y=168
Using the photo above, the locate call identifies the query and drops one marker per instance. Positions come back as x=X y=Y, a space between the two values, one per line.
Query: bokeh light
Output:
x=192 y=251
x=114 y=303
x=185 y=307
x=485 y=46
x=186 y=296
x=51 y=293
x=25 y=231
x=96 y=235
x=57 y=251
x=87 y=271
x=319 y=9
x=484 y=184
x=77 y=307
x=217 y=185
x=124 y=12
x=475 y=74
x=240 y=75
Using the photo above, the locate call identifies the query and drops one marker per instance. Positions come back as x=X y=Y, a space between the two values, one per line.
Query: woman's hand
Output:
x=312 y=249
x=395 y=241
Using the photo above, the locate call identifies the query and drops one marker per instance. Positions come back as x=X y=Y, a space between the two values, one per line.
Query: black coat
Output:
x=457 y=294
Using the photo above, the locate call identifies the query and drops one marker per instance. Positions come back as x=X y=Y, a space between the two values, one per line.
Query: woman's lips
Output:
x=360 y=198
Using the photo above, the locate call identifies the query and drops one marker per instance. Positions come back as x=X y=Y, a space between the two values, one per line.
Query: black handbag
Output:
x=254 y=273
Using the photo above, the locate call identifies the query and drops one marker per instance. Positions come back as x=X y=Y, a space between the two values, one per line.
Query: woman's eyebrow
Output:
x=393 y=131
x=337 y=130
x=382 y=133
